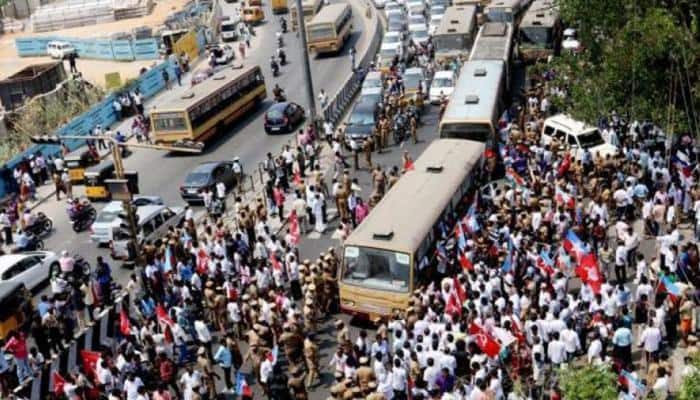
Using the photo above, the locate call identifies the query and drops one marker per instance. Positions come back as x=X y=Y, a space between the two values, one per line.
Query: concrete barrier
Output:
x=100 y=49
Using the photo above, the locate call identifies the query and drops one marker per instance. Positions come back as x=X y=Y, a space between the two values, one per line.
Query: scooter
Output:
x=42 y=226
x=33 y=244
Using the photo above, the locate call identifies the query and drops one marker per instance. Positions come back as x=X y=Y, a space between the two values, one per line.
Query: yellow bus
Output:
x=205 y=109
x=383 y=255
x=329 y=29
x=310 y=7
x=279 y=6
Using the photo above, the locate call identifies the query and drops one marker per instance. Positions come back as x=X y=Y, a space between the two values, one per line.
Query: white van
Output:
x=443 y=84
x=60 y=50
x=577 y=136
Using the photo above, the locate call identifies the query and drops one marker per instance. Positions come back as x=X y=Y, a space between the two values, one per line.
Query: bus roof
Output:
x=457 y=19
x=183 y=99
x=329 y=14
x=514 y=4
x=541 y=13
x=413 y=205
x=476 y=92
x=493 y=42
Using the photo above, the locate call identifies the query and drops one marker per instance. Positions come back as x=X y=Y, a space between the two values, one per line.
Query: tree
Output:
x=588 y=383
x=690 y=386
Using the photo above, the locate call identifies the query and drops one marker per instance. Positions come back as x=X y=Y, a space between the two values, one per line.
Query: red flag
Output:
x=565 y=165
x=294 y=227
x=408 y=165
x=461 y=294
x=410 y=385
x=453 y=307
x=58 y=383
x=163 y=316
x=486 y=342
x=275 y=263
x=589 y=272
x=488 y=153
x=297 y=178
x=89 y=359
x=517 y=332
x=202 y=262
x=465 y=262
x=124 y=326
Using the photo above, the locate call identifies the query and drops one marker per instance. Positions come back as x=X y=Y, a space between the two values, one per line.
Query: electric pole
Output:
x=305 y=60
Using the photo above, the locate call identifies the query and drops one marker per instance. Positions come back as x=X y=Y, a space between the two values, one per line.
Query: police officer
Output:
x=296 y=383
x=311 y=359
x=367 y=147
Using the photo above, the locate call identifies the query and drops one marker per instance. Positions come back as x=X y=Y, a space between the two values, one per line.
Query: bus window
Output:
x=473 y=131
x=377 y=269
x=170 y=122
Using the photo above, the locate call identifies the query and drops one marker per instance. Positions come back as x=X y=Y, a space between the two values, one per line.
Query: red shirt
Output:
x=17 y=346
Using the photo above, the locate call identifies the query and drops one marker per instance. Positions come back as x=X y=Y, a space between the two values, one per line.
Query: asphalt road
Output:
x=161 y=173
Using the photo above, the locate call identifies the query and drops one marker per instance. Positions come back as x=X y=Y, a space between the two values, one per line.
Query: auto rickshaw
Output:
x=95 y=185
x=77 y=162
x=15 y=307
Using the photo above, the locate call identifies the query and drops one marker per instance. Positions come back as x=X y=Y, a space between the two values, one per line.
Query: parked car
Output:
x=443 y=84
x=60 y=50
x=387 y=53
x=154 y=221
x=435 y=20
x=283 y=117
x=413 y=79
x=362 y=121
x=206 y=176
x=416 y=7
x=223 y=53
x=107 y=221
x=371 y=94
x=31 y=268
x=576 y=136
x=396 y=23
x=417 y=19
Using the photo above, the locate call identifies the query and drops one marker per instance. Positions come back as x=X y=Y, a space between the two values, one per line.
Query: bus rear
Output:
x=170 y=126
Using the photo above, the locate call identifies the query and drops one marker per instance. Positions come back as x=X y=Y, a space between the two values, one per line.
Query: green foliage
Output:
x=44 y=115
x=690 y=387
x=588 y=383
x=640 y=60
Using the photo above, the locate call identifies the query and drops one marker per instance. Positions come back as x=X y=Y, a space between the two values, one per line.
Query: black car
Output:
x=283 y=117
x=362 y=121
x=206 y=176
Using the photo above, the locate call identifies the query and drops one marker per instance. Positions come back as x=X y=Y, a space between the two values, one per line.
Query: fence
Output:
x=101 y=334
x=149 y=84
x=99 y=49
x=339 y=102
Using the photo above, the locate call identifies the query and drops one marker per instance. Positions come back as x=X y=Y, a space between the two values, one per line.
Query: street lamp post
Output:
x=305 y=61
x=119 y=170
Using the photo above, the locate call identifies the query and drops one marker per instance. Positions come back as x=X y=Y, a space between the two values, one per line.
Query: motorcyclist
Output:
x=283 y=22
x=278 y=92
x=28 y=219
x=66 y=262
x=273 y=64
x=75 y=207
x=22 y=240
x=280 y=43
x=282 y=56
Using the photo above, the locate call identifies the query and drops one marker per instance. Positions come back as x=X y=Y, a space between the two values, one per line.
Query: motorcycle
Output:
x=84 y=218
x=280 y=98
x=283 y=22
x=280 y=41
x=282 y=56
x=42 y=226
x=275 y=68
x=33 y=244
x=400 y=129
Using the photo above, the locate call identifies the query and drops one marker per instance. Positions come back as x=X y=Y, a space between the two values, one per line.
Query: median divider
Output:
x=100 y=335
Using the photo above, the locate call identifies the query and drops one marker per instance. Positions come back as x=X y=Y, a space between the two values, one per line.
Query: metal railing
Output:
x=338 y=104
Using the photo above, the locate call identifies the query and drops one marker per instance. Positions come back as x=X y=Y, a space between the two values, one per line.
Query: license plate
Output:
x=192 y=191
x=275 y=128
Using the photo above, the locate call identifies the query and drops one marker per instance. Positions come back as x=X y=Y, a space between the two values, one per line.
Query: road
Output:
x=161 y=174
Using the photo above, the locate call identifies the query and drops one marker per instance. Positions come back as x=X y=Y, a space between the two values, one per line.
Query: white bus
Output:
x=455 y=34
x=494 y=42
x=539 y=35
x=476 y=103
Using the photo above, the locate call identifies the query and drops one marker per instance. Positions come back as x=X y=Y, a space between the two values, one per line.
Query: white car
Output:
x=392 y=6
x=30 y=268
x=386 y=55
x=107 y=221
x=419 y=34
x=59 y=49
x=417 y=20
x=576 y=136
x=434 y=23
x=443 y=85
x=416 y=7
x=393 y=37
x=437 y=9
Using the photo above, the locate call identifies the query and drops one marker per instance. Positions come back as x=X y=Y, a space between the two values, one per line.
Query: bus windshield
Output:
x=471 y=131
x=321 y=32
x=376 y=269
x=169 y=122
x=449 y=42
x=536 y=35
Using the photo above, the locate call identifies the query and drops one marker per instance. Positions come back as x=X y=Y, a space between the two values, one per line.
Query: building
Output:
x=29 y=82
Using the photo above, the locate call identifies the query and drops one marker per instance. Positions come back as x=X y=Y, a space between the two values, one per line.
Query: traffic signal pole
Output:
x=119 y=172
x=309 y=84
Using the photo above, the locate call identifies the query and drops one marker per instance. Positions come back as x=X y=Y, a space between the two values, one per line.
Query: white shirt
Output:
x=202 y=330
x=398 y=379
x=131 y=388
x=650 y=339
x=265 y=370
x=220 y=190
x=571 y=340
x=556 y=351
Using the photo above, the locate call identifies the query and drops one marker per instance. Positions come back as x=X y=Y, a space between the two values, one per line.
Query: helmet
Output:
x=64 y=253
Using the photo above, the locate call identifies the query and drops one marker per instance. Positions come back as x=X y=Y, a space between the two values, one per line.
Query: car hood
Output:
x=604 y=150
x=358 y=130
x=447 y=91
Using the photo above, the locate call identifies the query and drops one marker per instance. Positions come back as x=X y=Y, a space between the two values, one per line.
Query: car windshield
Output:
x=361 y=117
x=197 y=179
x=370 y=98
x=435 y=19
x=419 y=34
x=275 y=113
x=590 y=139
x=392 y=39
x=442 y=82
x=376 y=269
x=372 y=83
x=106 y=216
x=411 y=81
x=416 y=19
x=388 y=52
